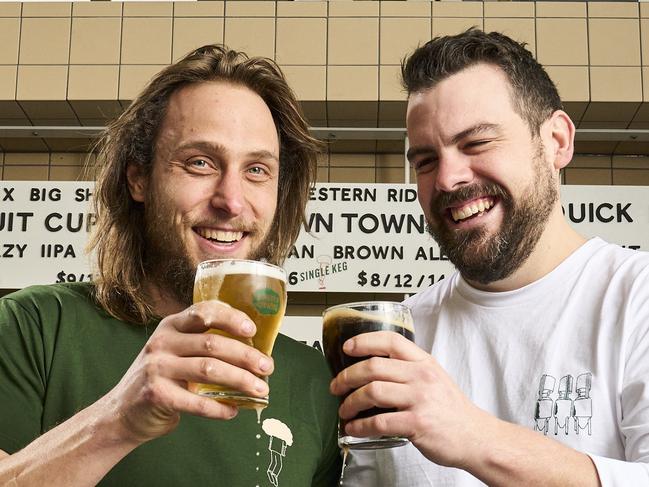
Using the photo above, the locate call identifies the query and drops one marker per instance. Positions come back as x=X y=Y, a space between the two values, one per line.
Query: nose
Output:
x=229 y=197
x=453 y=171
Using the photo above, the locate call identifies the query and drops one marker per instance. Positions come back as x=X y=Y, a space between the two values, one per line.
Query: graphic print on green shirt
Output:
x=59 y=353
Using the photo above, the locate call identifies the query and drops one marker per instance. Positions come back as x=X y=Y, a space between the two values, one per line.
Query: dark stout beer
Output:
x=343 y=322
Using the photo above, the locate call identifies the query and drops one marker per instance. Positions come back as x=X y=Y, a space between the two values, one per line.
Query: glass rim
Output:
x=396 y=304
x=209 y=262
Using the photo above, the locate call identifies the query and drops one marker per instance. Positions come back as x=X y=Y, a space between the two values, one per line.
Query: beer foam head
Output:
x=392 y=313
x=211 y=268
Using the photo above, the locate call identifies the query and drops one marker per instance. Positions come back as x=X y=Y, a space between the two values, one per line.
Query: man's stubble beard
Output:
x=486 y=257
x=167 y=263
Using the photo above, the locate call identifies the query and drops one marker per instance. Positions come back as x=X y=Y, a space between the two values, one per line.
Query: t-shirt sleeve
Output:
x=634 y=396
x=22 y=376
x=618 y=473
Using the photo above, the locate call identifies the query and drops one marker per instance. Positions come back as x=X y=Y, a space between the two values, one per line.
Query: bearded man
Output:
x=212 y=160
x=537 y=327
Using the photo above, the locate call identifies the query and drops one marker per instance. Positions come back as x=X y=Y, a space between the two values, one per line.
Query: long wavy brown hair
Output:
x=118 y=239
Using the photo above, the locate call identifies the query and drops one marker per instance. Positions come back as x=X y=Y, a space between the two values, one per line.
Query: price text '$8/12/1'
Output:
x=397 y=280
x=72 y=277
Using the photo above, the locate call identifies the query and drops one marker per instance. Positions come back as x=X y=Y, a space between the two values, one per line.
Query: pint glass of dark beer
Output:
x=259 y=290
x=344 y=321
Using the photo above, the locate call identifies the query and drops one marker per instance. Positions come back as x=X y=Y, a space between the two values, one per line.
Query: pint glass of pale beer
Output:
x=344 y=321
x=259 y=290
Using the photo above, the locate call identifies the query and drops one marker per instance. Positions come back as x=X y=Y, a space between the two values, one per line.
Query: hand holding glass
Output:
x=347 y=320
x=259 y=290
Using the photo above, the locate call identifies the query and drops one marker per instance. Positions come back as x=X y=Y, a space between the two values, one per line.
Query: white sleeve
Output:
x=634 y=396
x=619 y=473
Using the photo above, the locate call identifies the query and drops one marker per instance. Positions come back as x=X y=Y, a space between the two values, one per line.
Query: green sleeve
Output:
x=22 y=376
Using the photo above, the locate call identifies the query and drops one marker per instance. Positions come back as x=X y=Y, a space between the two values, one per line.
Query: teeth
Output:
x=471 y=209
x=220 y=235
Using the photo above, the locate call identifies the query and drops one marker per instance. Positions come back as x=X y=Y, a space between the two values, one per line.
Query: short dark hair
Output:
x=534 y=95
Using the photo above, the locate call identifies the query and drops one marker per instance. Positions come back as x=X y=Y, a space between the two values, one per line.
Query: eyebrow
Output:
x=263 y=154
x=477 y=129
x=219 y=149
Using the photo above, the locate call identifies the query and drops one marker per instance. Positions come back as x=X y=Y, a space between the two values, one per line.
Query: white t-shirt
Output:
x=566 y=355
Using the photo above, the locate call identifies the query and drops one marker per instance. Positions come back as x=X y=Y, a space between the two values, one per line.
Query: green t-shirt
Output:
x=60 y=352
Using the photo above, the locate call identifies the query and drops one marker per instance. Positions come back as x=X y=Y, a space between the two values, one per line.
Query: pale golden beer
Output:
x=259 y=290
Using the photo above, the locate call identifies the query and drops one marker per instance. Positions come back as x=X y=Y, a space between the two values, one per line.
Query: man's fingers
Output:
x=213 y=371
x=376 y=394
x=206 y=370
x=386 y=424
x=383 y=343
x=372 y=369
x=213 y=314
x=211 y=345
x=206 y=407
x=172 y=396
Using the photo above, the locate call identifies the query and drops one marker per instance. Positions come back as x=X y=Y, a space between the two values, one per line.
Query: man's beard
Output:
x=484 y=257
x=167 y=263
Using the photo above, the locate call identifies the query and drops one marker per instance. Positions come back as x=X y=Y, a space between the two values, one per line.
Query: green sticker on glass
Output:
x=266 y=301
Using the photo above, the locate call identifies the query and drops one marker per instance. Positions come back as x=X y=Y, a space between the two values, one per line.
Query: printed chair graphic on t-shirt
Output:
x=582 y=409
x=280 y=437
x=543 y=411
x=563 y=405
x=565 y=410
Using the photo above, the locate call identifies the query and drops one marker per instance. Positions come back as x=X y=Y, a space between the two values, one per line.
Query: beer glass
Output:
x=344 y=321
x=259 y=290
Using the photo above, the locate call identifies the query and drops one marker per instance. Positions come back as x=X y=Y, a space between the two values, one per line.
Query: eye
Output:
x=476 y=144
x=259 y=172
x=425 y=164
x=199 y=165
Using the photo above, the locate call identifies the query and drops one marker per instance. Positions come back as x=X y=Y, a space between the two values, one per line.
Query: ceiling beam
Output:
x=324 y=133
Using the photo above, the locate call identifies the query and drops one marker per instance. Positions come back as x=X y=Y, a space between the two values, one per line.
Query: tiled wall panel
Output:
x=81 y=62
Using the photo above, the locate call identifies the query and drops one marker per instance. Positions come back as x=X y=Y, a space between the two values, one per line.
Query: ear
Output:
x=136 y=181
x=560 y=133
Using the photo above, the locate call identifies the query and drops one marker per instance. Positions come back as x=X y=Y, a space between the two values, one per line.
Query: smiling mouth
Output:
x=473 y=209
x=223 y=237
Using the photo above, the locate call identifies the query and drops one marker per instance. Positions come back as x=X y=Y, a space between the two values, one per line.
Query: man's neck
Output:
x=162 y=302
x=558 y=241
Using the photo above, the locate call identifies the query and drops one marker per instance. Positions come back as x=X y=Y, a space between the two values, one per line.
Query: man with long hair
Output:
x=531 y=360
x=212 y=160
